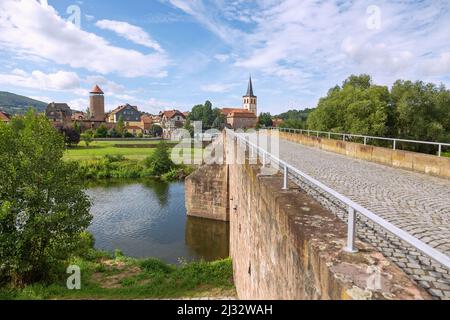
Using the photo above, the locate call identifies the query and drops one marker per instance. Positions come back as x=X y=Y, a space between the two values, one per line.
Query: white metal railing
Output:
x=352 y=207
x=365 y=138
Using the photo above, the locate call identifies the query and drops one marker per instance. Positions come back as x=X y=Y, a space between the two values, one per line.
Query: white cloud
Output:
x=31 y=29
x=217 y=87
x=130 y=32
x=79 y=104
x=222 y=57
x=58 y=81
x=107 y=85
x=205 y=16
x=297 y=41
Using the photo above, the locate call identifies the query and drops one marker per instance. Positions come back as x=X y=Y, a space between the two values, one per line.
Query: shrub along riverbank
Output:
x=105 y=276
x=157 y=165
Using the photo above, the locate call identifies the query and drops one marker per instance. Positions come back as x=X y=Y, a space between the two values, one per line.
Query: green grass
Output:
x=127 y=278
x=99 y=149
x=446 y=154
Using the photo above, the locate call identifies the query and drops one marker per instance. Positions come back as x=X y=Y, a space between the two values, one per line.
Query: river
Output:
x=148 y=219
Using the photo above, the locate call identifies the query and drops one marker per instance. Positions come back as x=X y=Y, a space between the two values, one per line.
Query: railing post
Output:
x=365 y=140
x=329 y=135
x=395 y=144
x=351 y=231
x=285 y=178
x=343 y=137
x=440 y=150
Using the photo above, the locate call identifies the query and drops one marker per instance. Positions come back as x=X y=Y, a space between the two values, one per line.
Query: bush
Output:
x=101 y=132
x=153 y=266
x=87 y=137
x=159 y=162
x=71 y=136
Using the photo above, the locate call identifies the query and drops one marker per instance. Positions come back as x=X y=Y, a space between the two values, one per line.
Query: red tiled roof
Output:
x=4 y=116
x=122 y=107
x=241 y=114
x=227 y=111
x=172 y=113
x=133 y=127
x=147 y=119
x=277 y=122
x=97 y=90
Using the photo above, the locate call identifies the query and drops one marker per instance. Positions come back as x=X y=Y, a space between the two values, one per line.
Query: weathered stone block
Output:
x=206 y=192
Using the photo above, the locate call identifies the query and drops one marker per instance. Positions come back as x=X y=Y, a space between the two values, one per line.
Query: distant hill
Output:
x=14 y=104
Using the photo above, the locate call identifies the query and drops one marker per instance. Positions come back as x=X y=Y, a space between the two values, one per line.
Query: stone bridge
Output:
x=287 y=244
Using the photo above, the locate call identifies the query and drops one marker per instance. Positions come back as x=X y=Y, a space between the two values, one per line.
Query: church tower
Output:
x=250 y=100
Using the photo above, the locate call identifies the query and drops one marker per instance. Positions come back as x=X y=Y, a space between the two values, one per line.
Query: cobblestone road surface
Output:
x=415 y=202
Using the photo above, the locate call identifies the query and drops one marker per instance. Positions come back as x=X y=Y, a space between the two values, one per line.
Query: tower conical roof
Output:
x=97 y=90
x=250 y=88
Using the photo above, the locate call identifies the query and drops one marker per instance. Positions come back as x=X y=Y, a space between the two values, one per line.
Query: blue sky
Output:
x=166 y=54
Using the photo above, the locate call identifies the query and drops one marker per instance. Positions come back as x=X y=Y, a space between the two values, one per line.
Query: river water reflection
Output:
x=148 y=219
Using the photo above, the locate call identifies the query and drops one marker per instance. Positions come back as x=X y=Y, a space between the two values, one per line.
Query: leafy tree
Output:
x=156 y=131
x=87 y=137
x=121 y=126
x=207 y=115
x=410 y=110
x=71 y=136
x=189 y=127
x=220 y=120
x=43 y=209
x=293 y=123
x=101 y=132
x=265 y=120
x=358 y=107
x=295 y=114
x=77 y=127
x=159 y=162
x=112 y=133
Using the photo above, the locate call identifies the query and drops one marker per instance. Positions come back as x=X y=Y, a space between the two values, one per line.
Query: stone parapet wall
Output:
x=424 y=163
x=284 y=245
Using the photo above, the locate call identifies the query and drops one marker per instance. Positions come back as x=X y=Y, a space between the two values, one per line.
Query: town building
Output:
x=134 y=130
x=4 y=117
x=146 y=123
x=78 y=116
x=245 y=117
x=276 y=122
x=130 y=114
x=58 y=113
x=170 y=121
x=241 y=120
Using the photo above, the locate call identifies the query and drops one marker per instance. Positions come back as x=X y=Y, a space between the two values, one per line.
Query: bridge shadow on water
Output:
x=208 y=239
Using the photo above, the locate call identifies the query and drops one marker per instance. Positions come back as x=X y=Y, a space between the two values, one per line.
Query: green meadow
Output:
x=99 y=149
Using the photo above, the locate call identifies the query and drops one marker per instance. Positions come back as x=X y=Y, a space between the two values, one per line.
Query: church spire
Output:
x=250 y=88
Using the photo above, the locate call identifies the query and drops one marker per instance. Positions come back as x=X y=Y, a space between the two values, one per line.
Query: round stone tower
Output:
x=97 y=104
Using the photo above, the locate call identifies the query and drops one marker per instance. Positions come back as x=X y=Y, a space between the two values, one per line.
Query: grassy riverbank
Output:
x=118 y=167
x=118 y=277
x=98 y=149
x=127 y=160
